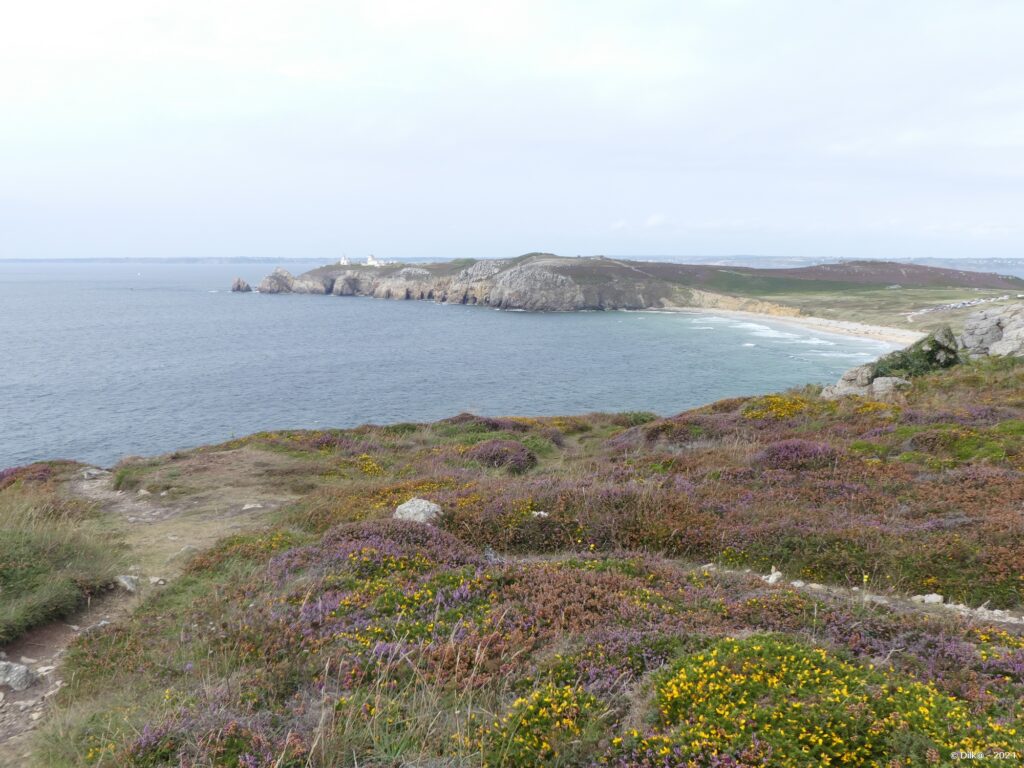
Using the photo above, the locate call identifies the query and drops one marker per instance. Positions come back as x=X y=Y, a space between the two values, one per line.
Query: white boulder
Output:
x=418 y=510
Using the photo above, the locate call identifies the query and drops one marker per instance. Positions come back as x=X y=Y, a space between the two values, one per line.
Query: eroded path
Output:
x=226 y=493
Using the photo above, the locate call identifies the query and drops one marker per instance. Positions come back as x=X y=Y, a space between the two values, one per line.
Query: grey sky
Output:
x=477 y=128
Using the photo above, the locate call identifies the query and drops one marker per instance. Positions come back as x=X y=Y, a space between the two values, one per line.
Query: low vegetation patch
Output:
x=555 y=615
x=395 y=643
x=52 y=555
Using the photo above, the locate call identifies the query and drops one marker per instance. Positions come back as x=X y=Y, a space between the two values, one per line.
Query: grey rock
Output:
x=929 y=599
x=17 y=677
x=995 y=331
x=312 y=284
x=856 y=381
x=240 y=286
x=93 y=473
x=418 y=510
x=128 y=583
x=860 y=376
x=885 y=387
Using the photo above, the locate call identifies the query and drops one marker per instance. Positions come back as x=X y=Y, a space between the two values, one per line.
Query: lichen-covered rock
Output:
x=240 y=286
x=856 y=381
x=418 y=510
x=17 y=677
x=884 y=387
x=995 y=331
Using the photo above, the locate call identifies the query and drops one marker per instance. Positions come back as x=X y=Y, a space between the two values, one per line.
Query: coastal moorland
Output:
x=780 y=580
x=906 y=296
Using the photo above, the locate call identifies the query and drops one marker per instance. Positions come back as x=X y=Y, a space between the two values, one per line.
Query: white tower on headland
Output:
x=373 y=261
x=344 y=262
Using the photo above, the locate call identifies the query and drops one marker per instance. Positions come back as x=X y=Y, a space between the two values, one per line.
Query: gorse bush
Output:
x=809 y=707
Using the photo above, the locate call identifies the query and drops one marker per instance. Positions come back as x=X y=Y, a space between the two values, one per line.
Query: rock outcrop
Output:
x=418 y=510
x=278 y=281
x=240 y=286
x=282 y=281
x=886 y=377
x=861 y=381
x=994 y=331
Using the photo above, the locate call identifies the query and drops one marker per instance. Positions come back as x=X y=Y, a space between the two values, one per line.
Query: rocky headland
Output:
x=910 y=299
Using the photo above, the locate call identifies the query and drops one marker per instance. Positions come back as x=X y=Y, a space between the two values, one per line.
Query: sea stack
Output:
x=240 y=286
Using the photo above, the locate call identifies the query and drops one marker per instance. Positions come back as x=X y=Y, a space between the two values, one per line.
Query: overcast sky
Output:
x=445 y=128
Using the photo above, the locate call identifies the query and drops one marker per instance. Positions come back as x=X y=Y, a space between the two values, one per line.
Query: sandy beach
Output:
x=898 y=337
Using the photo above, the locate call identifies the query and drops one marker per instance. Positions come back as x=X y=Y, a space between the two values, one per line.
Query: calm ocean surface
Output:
x=103 y=360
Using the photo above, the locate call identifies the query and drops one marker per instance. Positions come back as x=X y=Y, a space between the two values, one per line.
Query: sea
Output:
x=104 y=359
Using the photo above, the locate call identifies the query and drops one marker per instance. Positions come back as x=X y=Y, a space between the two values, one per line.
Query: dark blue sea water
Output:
x=101 y=360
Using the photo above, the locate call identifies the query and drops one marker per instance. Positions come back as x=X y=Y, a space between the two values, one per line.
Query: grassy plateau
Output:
x=583 y=599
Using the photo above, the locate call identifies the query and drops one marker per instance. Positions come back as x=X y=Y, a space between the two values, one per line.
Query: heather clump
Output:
x=471 y=423
x=210 y=734
x=39 y=472
x=509 y=455
x=794 y=454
